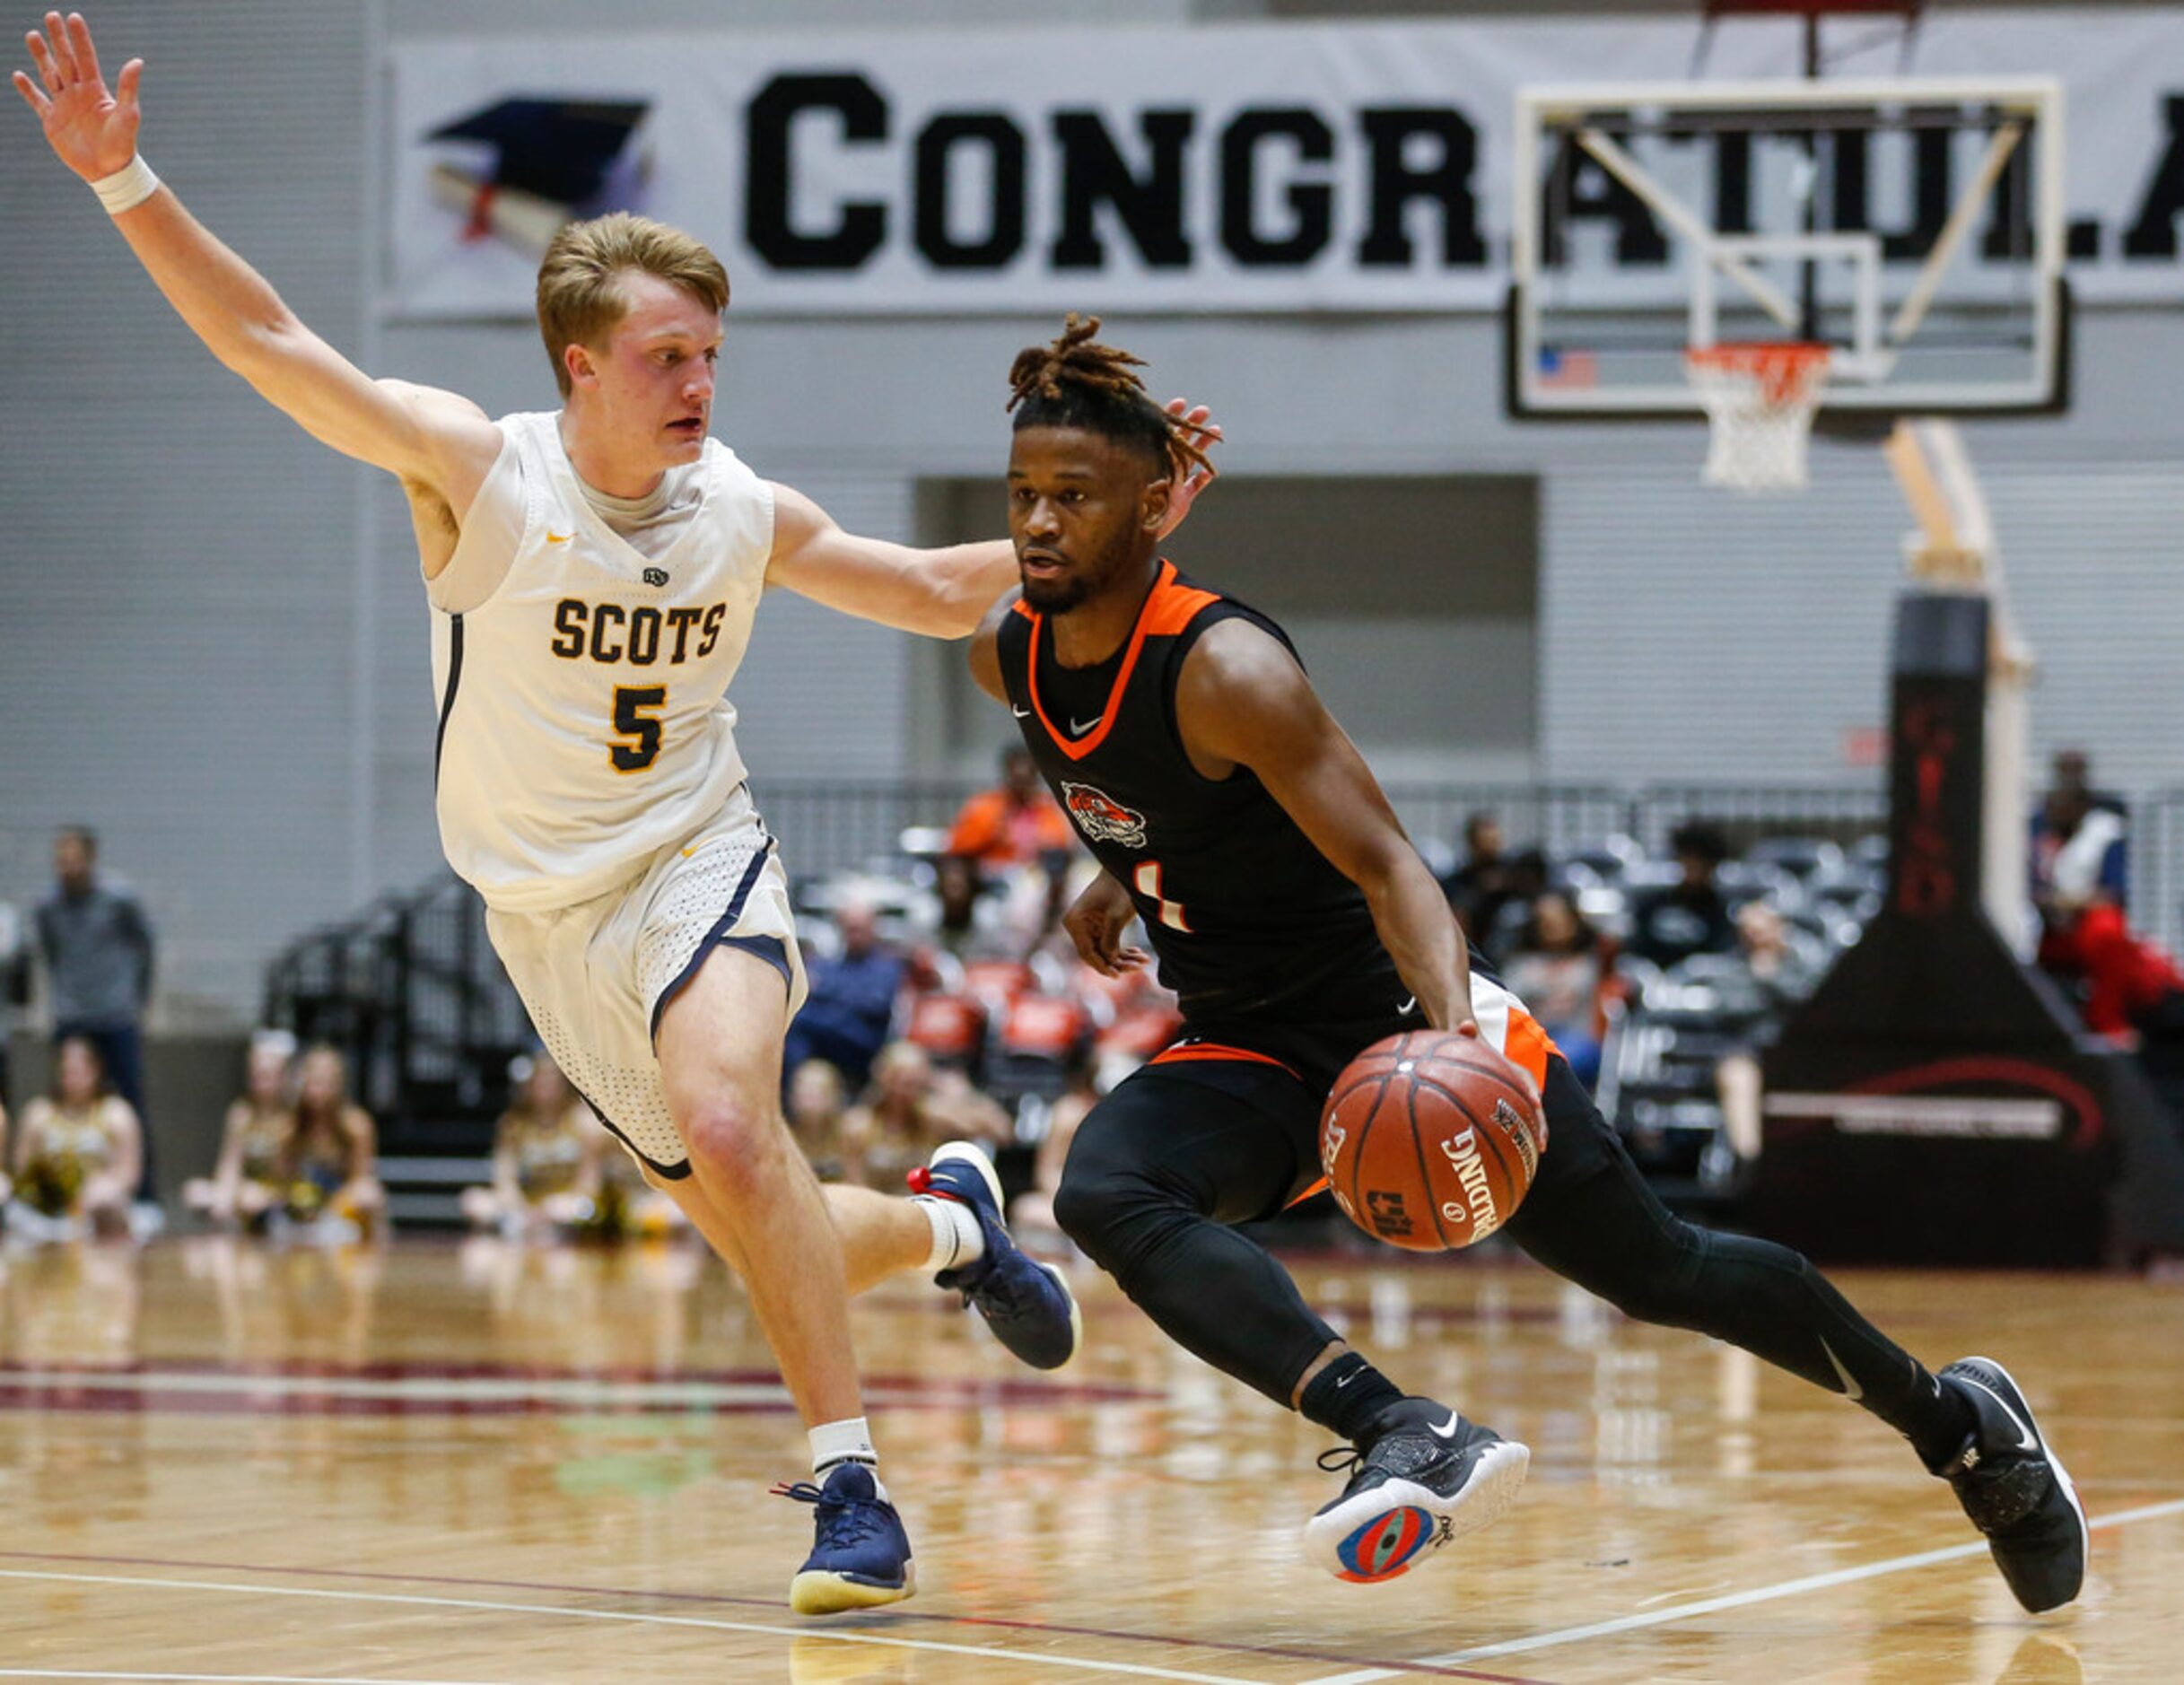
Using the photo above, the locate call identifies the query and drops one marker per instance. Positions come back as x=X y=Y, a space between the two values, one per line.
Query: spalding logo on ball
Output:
x=1430 y=1140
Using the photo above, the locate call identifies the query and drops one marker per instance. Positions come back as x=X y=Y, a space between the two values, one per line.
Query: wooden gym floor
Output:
x=485 y=1467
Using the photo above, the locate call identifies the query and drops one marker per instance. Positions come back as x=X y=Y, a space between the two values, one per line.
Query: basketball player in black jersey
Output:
x=1298 y=926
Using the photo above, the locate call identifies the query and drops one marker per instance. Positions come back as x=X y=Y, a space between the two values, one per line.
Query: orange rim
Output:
x=1784 y=371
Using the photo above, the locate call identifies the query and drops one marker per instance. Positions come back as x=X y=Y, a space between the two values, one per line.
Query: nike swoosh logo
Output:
x=1021 y=713
x=558 y=537
x=1078 y=728
x=1346 y=1379
x=1851 y=1389
x=2027 y=1440
x=1406 y=1006
x=1447 y=1429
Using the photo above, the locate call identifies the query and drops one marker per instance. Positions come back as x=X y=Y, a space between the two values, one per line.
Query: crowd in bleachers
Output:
x=946 y=1001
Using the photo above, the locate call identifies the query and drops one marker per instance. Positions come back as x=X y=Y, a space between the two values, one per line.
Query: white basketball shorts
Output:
x=595 y=977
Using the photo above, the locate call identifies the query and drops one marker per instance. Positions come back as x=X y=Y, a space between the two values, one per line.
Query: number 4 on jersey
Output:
x=1147 y=880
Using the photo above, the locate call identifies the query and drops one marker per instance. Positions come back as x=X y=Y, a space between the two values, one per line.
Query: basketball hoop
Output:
x=1760 y=398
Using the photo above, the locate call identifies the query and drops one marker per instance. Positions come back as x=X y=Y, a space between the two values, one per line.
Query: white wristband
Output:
x=127 y=188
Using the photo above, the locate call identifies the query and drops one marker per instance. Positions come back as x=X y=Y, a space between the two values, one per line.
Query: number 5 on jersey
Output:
x=635 y=706
x=1147 y=880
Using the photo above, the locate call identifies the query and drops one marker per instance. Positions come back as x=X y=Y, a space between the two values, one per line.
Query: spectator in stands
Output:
x=817 y=1102
x=1017 y=824
x=1565 y=972
x=548 y=1151
x=78 y=1152
x=328 y=1165
x=1778 y=967
x=245 y=1186
x=1031 y=1214
x=14 y=982
x=1506 y=912
x=629 y=1207
x=2080 y=870
x=910 y=1109
x=851 y=1003
x=2072 y=770
x=970 y=925
x=1478 y=888
x=2125 y=988
x=98 y=948
x=1689 y=917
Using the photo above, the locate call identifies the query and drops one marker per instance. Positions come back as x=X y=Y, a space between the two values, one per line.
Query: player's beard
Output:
x=1076 y=588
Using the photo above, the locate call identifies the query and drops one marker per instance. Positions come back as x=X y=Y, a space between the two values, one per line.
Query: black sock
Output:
x=1346 y=1396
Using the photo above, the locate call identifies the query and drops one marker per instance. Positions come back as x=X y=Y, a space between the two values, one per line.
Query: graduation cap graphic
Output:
x=555 y=159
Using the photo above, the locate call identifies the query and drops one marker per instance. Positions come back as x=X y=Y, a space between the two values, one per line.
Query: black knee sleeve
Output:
x=1592 y=1219
x=1101 y=1209
x=1154 y=1176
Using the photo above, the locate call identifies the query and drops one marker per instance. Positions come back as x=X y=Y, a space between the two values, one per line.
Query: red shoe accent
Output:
x=921 y=1179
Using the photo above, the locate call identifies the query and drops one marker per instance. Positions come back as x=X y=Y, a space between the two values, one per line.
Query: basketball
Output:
x=1430 y=1140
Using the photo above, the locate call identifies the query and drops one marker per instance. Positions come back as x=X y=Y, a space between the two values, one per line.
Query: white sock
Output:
x=848 y=1441
x=957 y=1238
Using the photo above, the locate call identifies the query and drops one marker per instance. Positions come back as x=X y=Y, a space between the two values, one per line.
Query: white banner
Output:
x=1262 y=168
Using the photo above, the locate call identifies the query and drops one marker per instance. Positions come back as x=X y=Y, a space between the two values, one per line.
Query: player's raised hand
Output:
x=1205 y=433
x=1096 y=922
x=92 y=130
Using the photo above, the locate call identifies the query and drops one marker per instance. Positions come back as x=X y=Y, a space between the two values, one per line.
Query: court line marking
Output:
x=989 y=1653
x=1046 y=1628
x=575 y=1393
x=1733 y=1600
x=217 y=1679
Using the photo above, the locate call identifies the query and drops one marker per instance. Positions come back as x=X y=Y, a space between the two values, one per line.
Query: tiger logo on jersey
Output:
x=1101 y=817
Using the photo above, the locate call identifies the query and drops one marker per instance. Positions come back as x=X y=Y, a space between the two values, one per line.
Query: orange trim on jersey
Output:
x=1167 y=609
x=1528 y=1046
x=1183 y=1052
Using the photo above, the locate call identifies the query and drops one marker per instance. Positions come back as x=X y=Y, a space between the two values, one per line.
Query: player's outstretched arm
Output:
x=429 y=438
x=940 y=593
x=943 y=593
x=1243 y=701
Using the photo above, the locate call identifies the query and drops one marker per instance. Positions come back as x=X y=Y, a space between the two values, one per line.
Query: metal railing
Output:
x=413 y=993
x=844 y=825
x=2157 y=869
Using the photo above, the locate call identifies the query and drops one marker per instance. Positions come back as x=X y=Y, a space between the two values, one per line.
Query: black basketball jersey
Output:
x=1247 y=915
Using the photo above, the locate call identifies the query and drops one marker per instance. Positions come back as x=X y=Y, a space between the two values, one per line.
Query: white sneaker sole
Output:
x=975 y=1155
x=1381 y=1534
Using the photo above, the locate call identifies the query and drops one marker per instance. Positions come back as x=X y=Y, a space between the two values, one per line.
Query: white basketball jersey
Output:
x=584 y=718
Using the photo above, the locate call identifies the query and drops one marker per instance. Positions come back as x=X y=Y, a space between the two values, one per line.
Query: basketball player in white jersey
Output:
x=596 y=571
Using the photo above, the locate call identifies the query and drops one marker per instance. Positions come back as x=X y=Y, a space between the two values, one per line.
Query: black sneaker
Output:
x=2014 y=1488
x=1430 y=1477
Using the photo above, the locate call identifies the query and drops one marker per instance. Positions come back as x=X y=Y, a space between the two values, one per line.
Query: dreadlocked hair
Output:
x=1077 y=382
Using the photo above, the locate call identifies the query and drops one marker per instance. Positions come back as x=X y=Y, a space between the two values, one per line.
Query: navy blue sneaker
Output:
x=1028 y=1305
x=2014 y=1488
x=861 y=1555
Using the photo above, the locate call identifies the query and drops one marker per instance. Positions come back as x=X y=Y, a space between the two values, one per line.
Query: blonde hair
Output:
x=579 y=295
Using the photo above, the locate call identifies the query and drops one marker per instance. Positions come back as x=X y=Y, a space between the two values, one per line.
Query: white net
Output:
x=1760 y=399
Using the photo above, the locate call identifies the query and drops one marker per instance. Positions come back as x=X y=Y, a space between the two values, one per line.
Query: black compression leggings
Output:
x=1166 y=1163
